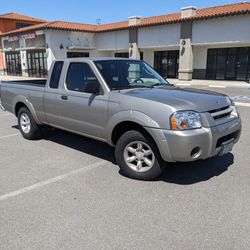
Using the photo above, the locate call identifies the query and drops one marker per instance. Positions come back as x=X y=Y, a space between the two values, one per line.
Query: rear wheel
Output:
x=27 y=124
x=138 y=157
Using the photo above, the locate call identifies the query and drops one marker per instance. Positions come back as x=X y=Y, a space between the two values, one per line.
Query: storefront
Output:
x=166 y=63
x=228 y=63
x=37 y=63
x=13 y=63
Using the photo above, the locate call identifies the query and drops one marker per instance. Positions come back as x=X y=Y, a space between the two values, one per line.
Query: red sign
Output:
x=13 y=38
x=25 y=37
x=29 y=36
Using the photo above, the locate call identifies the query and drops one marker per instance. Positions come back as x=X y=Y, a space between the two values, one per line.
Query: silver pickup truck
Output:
x=128 y=105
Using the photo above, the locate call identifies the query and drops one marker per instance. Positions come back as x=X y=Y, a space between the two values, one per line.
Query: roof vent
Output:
x=188 y=11
x=133 y=20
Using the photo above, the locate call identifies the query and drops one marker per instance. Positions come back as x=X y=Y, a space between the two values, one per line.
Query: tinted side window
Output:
x=79 y=74
x=55 y=76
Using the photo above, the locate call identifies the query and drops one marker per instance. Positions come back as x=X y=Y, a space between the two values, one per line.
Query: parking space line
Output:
x=242 y=104
x=183 y=84
x=50 y=181
x=217 y=86
x=7 y=136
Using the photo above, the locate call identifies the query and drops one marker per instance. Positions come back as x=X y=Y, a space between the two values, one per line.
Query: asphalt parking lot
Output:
x=65 y=192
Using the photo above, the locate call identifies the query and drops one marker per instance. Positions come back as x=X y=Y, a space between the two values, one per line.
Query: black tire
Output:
x=34 y=131
x=120 y=151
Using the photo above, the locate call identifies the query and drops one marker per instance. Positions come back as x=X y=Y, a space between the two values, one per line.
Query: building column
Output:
x=186 y=49
x=186 y=60
x=24 y=63
x=134 y=52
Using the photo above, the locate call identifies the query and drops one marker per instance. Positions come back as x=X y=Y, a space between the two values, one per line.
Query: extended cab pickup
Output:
x=128 y=105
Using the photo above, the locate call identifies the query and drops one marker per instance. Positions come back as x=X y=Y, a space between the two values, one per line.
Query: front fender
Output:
x=129 y=116
x=25 y=101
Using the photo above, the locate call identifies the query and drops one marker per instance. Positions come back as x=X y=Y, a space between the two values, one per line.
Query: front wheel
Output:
x=27 y=124
x=138 y=157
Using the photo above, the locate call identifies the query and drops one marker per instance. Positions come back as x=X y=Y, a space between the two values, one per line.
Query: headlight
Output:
x=230 y=101
x=182 y=120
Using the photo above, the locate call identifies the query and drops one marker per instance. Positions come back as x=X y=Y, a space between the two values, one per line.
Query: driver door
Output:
x=82 y=112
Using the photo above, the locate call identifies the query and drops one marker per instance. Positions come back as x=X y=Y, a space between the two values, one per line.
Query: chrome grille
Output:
x=221 y=113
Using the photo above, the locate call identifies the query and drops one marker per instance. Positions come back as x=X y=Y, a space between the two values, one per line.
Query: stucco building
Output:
x=210 y=43
x=14 y=21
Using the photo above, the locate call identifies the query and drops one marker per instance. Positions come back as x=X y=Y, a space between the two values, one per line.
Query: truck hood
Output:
x=181 y=99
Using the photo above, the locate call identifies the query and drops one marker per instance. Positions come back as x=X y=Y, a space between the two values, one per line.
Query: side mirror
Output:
x=92 y=87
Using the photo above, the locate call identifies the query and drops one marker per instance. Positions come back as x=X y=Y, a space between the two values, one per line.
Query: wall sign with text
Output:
x=24 y=36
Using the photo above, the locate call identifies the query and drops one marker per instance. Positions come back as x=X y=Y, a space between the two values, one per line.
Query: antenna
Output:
x=98 y=21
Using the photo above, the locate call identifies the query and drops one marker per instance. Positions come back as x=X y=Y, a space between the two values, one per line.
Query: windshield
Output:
x=124 y=74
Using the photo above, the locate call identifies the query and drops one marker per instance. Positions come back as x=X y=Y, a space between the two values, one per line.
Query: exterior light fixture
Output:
x=61 y=46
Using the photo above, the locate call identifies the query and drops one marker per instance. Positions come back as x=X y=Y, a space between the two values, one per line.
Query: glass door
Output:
x=173 y=64
x=231 y=62
x=37 y=63
x=228 y=64
x=166 y=63
x=242 y=64
x=13 y=63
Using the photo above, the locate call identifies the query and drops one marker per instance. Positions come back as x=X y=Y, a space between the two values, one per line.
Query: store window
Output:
x=22 y=25
x=13 y=63
x=166 y=63
x=77 y=54
x=37 y=63
x=122 y=54
x=126 y=55
x=228 y=64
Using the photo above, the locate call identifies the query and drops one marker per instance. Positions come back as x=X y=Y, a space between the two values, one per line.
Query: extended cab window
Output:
x=55 y=76
x=78 y=76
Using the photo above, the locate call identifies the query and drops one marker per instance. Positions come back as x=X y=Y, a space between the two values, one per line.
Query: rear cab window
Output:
x=55 y=76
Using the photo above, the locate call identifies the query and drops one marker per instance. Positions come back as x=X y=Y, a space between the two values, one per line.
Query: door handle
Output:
x=64 y=97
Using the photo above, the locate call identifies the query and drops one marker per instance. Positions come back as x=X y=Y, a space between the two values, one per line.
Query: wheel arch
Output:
x=129 y=120
x=20 y=102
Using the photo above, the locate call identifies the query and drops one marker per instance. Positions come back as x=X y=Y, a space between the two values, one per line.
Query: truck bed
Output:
x=35 y=83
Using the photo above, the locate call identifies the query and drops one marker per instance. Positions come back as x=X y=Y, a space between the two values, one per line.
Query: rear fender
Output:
x=27 y=103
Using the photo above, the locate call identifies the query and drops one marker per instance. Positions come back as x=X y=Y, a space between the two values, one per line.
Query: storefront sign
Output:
x=25 y=37
x=13 y=38
x=29 y=36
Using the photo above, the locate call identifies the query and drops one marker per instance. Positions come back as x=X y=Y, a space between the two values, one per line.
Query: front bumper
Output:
x=179 y=145
x=1 y=107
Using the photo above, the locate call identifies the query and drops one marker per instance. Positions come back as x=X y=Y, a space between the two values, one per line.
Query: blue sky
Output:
x=86 y=11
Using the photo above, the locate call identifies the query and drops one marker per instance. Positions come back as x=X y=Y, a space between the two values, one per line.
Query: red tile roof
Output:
x=212 y=12
x=59 y=25
x=112 y=26
x=224 y=10
x=20 y=17
x=71 y=26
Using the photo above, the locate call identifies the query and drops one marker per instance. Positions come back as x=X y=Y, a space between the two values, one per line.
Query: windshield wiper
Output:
x=131 y=87
x=161 y=84
x=138 y=86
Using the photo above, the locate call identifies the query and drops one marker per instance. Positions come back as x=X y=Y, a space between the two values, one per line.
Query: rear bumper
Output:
x=179 y=145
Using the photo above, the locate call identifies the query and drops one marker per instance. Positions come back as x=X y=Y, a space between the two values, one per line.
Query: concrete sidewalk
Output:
x=210 y=83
